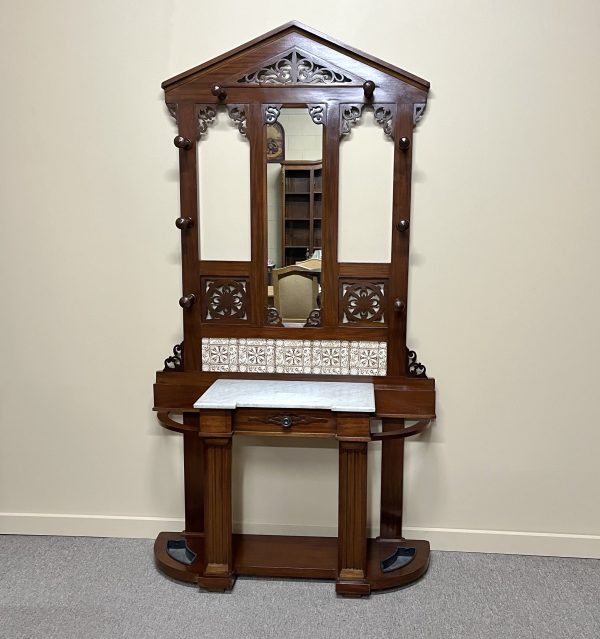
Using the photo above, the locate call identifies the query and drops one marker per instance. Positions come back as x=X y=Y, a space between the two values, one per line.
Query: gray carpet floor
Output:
x=89 y=588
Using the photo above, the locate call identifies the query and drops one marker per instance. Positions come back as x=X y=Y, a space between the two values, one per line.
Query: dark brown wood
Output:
x=392 y=482
x=294 y=66
x=193 y=474
x=300 y=557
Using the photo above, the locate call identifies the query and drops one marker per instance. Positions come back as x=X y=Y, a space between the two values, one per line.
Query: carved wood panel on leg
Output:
x=218 y=552
x=352 y=525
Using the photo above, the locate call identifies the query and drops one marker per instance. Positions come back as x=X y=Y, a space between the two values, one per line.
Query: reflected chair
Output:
x=313 y=264
x=295 y=291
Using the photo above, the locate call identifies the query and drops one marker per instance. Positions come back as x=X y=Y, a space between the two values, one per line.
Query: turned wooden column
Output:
x=215 y=428
x=353 y=436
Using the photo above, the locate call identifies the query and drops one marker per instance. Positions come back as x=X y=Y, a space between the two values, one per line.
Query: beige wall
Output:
x=504 y=306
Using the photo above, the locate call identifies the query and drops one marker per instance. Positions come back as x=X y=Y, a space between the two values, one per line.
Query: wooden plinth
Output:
x=301 y=557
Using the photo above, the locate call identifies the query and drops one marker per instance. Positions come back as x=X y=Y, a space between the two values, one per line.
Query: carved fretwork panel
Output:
x=237 y=112
x=418 y=111
x=350 y=114
x=224 y=299
x=362 y=301
x=295 y=66
x=384 y=116
x=205 y=115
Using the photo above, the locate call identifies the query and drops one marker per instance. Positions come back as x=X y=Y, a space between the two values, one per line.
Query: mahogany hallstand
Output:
x=208 y=553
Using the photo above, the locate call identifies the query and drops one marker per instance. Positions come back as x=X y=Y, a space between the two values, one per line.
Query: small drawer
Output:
x=285 y=422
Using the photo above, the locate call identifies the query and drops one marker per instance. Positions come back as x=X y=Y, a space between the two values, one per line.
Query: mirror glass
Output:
x=366 y=191
x=294 y=148
x=223 y=212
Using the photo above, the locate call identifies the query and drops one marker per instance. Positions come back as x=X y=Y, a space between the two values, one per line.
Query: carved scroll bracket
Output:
x=317 y=113
x=415 y=368
x=350 y=114
x=273 y=317
x=271 y=113
x=314 y=318
x=174 y=363
x=237 y=112
x=173 y=111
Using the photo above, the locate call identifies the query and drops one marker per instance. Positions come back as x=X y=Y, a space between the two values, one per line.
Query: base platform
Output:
x=300 y=557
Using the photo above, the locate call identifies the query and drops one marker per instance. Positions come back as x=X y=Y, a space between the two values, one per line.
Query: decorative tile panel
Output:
x=287 y=356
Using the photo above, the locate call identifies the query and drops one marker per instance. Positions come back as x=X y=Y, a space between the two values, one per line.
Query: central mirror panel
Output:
x=293 y=154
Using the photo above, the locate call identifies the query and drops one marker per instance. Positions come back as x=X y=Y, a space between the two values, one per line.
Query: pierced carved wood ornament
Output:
x=353 y=328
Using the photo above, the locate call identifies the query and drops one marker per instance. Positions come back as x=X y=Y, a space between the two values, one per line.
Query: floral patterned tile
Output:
x=317 y=357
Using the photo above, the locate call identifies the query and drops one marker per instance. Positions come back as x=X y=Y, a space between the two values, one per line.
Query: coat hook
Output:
x=182 y=143
x=184 y=223
x=218 y=91
x=403 y=226
x=369 y=88
x=187 y=301
x=404 y=143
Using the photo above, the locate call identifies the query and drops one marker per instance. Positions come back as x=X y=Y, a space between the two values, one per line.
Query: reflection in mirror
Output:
x=366 y=189
x=223 y=212
x=294 y=146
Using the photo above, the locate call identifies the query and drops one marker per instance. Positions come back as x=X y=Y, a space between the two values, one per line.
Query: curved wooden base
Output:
x=301 y=557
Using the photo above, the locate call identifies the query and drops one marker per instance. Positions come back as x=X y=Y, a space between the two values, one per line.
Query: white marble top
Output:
x=263 y=393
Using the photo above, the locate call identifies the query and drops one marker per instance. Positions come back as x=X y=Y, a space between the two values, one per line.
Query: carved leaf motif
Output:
x=350 y=114
x=238 y=115
x=298 y=67
x=384 y=117
x=174 y=363
x=206 y=115
x=363 y=301
x=415 y=368
x=225 y=299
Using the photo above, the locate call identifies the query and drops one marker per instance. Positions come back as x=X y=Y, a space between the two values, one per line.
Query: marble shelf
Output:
x=229 y=394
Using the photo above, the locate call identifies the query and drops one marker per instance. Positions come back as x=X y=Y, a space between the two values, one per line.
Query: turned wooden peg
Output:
x=369 y=89
x=187 y=301
x=404 y=143
x=218 y=91
x=403 y=225
x=184 y=223
x=399 y=305
x=182 y=143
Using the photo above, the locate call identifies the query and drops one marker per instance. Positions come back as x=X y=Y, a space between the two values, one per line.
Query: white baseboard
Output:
x=453 y=539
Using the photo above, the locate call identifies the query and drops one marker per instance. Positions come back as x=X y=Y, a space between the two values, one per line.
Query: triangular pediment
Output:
x=296 y=66
x=313 y=59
